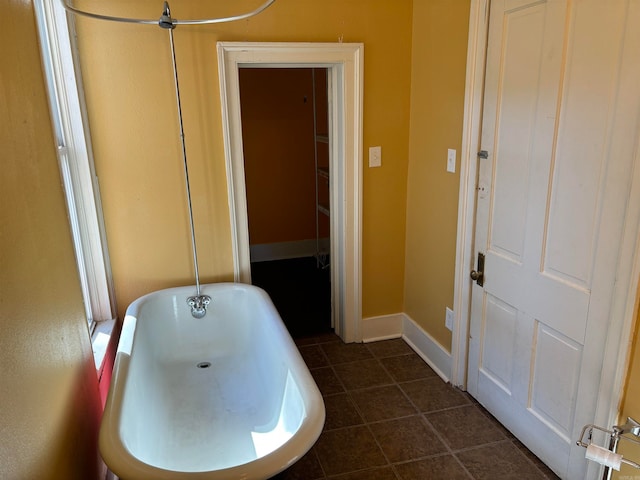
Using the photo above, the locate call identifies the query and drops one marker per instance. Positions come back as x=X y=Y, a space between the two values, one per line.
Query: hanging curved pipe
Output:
x=199 y=302
x=173 y=22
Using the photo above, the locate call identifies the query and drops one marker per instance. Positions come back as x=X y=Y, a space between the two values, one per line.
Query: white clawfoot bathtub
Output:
x=226 y=396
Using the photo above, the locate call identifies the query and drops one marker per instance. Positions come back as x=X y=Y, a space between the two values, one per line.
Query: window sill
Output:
x=100 y=341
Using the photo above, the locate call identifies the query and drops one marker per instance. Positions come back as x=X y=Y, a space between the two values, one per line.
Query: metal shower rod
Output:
x=204 y=21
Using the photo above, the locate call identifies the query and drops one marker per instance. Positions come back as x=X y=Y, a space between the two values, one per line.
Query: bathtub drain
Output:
x=203 y=365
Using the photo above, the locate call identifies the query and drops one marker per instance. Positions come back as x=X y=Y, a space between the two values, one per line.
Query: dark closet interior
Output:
x=286 y=159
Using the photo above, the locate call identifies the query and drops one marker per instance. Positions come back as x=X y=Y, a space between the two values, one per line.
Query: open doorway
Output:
x=285 y=136
x=344 y=63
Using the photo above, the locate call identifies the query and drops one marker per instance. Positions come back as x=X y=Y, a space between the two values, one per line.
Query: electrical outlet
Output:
x=451 y=160
x=448 y=322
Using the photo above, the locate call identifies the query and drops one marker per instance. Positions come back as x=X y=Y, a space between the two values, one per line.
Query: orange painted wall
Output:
x=437 y=95
x=49 y=402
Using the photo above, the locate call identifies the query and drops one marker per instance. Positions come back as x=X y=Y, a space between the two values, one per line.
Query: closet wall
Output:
x=279 y=154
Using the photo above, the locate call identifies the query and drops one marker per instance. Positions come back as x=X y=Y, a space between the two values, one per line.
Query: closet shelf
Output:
x=323 y=172
x=322 y=208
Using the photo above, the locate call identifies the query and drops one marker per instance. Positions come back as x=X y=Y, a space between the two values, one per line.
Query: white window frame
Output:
x=75 y=159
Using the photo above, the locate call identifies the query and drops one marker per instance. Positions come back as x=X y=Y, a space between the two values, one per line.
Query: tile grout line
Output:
x=368 y=424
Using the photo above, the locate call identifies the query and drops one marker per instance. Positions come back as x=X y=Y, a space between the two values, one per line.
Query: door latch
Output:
x=478 y=275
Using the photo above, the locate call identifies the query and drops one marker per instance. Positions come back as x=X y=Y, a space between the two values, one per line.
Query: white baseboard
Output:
x=428 y=348
x=383 y=327
x=401 y=325
x=265 y=252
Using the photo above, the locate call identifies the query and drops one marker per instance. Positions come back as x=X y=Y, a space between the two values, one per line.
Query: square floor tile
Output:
x=407 y=367
x=433 y=394
x=317 y=339
x=498 y=425
x=408 y=421
x=362 y=374
x=300 y=341
x=307 y=468
x=389 y=348
x=445 y=467
x=382 y=403
x=328 y=337
x=339 y=352
x=340 y=412
x=327 y=381
x=348 y=450
x=407 y=438
x=313 y=356
x=464 y=427
x=546 y=471
x=502 y=461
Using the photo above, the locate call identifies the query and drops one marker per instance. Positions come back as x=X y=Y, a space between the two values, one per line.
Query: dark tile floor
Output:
x=390 y=417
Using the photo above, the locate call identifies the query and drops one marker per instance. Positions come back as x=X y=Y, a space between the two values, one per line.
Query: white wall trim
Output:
x=432 y=352
x=476 y=50
x=265 y=252
x=384 y=327
x=345 y=63
x=398 y=325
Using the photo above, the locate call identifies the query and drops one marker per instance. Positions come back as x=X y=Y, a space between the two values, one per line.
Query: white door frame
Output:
x=622 y=313
x=474 y=85
x=344 y=62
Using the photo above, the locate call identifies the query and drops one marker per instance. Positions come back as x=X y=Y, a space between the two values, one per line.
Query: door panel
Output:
x=581 y=155
x=556 y=369
x=499 y=341
x=550 y=209
x=523 y=31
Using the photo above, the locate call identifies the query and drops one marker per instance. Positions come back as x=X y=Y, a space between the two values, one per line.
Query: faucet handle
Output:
x=198 y=304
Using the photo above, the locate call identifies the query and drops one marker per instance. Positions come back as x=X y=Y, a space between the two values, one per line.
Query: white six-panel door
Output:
x=560 y=125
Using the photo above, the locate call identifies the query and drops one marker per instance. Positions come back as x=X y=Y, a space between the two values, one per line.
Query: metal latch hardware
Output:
x=478 y=275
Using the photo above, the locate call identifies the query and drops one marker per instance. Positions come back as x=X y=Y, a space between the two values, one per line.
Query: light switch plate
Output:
x=448 y=322
x=375 y=156
x=451 y=160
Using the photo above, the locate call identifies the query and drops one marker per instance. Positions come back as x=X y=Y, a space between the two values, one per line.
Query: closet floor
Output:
x=300 y=291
